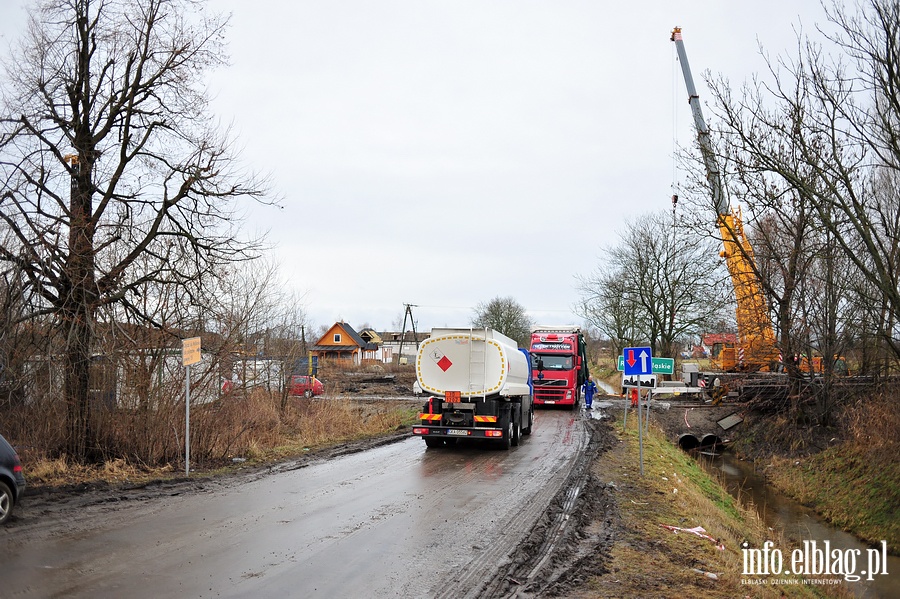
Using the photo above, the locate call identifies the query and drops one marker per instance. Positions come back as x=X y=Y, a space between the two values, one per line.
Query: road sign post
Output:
x=190 y=354
x=638 y=362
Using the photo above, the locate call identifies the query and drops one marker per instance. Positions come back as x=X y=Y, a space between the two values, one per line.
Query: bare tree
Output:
x=661 y=284
x=823 y=132
x=607 y=305
x=112 y=173
x=506 y=315
x=255 y=316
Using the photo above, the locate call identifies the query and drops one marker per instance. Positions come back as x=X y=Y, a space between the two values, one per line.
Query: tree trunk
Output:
x=77 y=363
x=79 y=310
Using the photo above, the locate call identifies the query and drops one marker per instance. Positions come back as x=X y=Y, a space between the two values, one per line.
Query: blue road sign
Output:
x=638 y=361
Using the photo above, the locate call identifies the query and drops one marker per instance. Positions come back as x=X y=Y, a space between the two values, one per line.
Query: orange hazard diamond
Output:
x=444 y=363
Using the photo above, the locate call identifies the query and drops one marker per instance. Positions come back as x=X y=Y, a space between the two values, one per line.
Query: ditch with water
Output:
x=799 y=523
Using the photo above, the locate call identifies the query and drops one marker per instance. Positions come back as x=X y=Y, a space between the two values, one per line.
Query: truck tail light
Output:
x=421 y=430
x=493 y=433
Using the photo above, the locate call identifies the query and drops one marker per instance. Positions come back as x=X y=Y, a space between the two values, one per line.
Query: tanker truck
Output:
x=478 y=387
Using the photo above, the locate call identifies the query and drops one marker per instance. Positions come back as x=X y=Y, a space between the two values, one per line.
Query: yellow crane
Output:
x=756 y=348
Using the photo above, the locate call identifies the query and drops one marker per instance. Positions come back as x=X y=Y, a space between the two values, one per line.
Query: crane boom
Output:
x=757 y=346
x=709 y=159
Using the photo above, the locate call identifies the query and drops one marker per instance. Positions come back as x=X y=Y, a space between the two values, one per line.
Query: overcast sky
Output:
x=445 y=153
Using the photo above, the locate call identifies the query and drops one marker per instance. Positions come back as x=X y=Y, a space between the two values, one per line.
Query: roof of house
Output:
x=358 y=342
x=408 y=336
x=370 y=336
x=711 y=338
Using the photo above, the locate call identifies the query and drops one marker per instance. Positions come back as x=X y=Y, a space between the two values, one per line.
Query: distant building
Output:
x=392 y=341
x=342 y=344
x=712 y=343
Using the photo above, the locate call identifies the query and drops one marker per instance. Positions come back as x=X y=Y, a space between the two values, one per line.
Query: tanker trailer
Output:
x=478 y=384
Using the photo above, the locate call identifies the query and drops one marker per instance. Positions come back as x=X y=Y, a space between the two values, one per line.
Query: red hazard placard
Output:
x=440 y=359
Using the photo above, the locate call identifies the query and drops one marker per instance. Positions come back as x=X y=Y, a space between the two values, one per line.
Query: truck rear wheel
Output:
x=507 y=425
x=529 y=421
x=517 y=431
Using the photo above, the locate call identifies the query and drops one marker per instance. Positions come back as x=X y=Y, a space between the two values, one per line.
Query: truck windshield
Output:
x=552 y=362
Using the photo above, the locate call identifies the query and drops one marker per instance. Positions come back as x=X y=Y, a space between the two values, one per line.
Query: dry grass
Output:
x=854 y=484
x=63 y=472
x=251 y=427
x=873 y=423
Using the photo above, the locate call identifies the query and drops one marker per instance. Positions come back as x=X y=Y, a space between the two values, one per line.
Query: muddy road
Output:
x=390 y=520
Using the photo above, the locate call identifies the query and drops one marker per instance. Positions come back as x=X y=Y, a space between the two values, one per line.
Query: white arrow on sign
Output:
x=644 y=357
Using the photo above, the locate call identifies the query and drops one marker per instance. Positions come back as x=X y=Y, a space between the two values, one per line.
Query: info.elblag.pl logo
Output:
x=813 y=559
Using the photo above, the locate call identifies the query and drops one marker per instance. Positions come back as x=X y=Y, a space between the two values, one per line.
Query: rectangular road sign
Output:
x=190 y=351
x=638 y=361
x=659 y=365
x=648 y=381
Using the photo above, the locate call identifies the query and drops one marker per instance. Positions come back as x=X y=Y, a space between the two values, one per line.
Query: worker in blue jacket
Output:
x=588 y=389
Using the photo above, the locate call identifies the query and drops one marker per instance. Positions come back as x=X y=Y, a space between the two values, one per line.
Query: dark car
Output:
x=12 y=481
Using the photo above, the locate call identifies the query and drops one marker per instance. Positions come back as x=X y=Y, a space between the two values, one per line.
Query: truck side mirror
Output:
x=540 y=364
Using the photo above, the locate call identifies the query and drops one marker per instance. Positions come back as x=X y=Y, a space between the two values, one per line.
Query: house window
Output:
x=337 y=337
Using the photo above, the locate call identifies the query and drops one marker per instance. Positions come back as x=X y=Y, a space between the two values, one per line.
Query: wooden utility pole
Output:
x=412 y=322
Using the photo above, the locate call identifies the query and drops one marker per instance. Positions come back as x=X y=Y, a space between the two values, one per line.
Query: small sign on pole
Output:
x=190 y=351
x=638 y=361
x=190 y=354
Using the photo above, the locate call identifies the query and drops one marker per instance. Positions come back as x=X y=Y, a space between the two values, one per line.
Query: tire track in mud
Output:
x=560 y=550
x=485 y=572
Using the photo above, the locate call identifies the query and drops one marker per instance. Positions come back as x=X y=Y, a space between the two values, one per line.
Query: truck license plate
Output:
x=457 y=431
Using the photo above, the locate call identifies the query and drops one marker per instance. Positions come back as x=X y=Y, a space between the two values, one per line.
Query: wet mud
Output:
x=572 y=540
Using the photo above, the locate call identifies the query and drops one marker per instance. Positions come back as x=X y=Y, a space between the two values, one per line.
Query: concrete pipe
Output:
x=688 y=442
x=710 y=441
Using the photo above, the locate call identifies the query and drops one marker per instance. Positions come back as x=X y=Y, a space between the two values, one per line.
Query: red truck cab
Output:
x=559 y=365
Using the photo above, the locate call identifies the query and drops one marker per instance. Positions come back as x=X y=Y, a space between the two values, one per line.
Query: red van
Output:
x=307 y=386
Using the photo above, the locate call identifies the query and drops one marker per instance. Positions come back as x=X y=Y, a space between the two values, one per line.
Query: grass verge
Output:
x=651 y=560
x=244 y=432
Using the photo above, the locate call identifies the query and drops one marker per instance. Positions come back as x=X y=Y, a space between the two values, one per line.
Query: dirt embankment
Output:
x=369 y=382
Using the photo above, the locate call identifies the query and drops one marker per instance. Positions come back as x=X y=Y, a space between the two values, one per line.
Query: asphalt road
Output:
x=398 y=520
